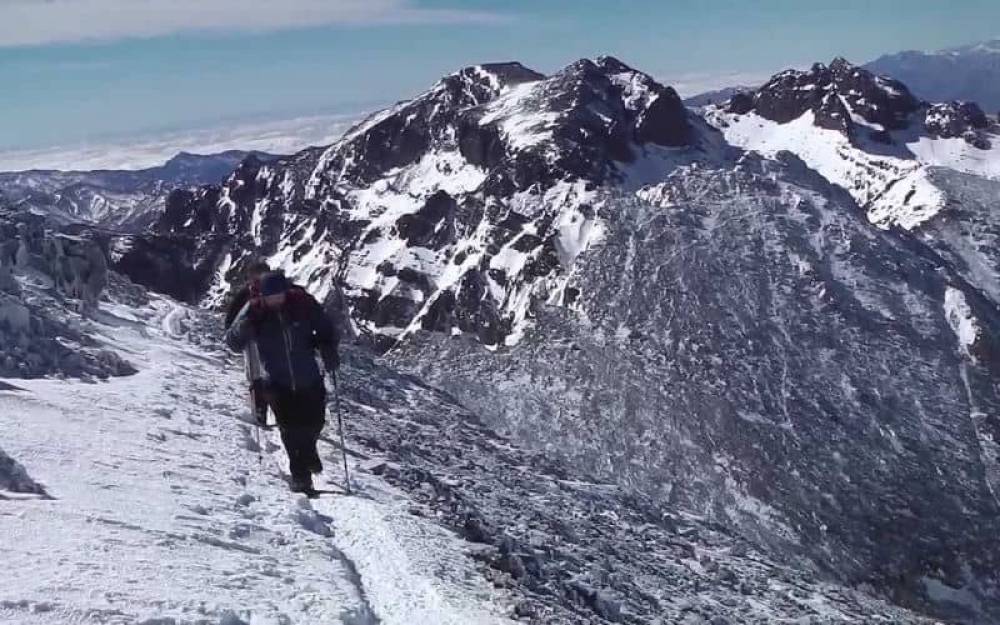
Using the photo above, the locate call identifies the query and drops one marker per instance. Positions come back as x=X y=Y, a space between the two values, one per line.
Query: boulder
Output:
x=956 y=119
x=14 y=315
x=741 y=103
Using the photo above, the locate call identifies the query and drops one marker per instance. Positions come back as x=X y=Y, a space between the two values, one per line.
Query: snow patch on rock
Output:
x=961 y=319
x=894 y=191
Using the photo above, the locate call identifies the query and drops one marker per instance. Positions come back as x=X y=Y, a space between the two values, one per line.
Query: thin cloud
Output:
x=688 y=85
x=39 y=22
x=277 y=137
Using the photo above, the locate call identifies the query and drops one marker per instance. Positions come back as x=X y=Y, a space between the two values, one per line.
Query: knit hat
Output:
x=273 y=283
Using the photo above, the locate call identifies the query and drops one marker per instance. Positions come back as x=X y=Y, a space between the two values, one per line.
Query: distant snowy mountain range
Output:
x=969 y=73
x=118 y=199
x=779 y=314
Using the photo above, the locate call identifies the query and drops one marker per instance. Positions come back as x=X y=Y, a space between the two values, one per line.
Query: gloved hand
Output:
x=331 y=360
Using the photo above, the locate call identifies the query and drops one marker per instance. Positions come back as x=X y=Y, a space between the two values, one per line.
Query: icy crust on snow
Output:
x=894 y=191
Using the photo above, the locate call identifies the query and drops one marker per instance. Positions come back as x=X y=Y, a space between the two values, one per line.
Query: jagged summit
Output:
x=866 y=133
x=506 y=74
x=833 y=93
x=958 y=119
x=860 y=104
x=458 y=207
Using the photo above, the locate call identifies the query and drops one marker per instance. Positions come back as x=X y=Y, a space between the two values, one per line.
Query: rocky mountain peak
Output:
x=877 y=100
x=478 y=84
x=840 y=64
x=501 y=75
x=957 y=119
x=455 y=209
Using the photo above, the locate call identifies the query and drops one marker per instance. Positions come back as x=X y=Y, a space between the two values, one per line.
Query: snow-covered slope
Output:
x=160 y=512
x=864 y=133
x=970 y=72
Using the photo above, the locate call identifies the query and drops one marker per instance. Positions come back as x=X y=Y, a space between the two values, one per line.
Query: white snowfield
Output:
x=895 y=188
x=163 y=514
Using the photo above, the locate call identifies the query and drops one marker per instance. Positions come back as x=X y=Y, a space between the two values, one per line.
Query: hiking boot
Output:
x=302 y=484
x=316 y=466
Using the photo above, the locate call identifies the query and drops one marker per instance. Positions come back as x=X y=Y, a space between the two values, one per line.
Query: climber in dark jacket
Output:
x=250 y=288
x=290 y=327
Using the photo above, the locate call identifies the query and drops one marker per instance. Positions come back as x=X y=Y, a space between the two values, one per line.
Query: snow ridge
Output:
x=866 y=134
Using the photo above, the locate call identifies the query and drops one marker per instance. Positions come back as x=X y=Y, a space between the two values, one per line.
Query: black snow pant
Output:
x=301 y=415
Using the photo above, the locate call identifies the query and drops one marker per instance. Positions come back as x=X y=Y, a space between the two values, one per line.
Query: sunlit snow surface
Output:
x=895 y=188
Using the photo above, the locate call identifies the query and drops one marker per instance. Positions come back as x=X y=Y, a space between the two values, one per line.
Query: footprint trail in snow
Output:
x=162 y=512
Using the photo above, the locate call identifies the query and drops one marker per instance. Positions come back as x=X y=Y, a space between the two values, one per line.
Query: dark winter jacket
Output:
x=288 y=339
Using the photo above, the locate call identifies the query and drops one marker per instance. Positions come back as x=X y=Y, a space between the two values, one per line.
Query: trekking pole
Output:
x=340 y=429
x=260 y=452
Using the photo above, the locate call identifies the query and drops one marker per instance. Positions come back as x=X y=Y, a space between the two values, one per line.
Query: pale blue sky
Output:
x=74 y=71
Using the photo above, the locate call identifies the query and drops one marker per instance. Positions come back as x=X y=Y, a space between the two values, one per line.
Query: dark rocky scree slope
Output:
x=765 y=356
x=721 y=332
x=567 y=548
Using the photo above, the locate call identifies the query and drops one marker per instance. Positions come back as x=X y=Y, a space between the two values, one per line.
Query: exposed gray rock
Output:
x=570 y=548
x=49 y=282
x=14 y=478
x=957 y=119
x=128 y=200
x=878 y=99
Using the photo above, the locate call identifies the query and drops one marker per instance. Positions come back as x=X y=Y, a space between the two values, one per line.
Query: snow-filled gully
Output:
x=162 y=512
